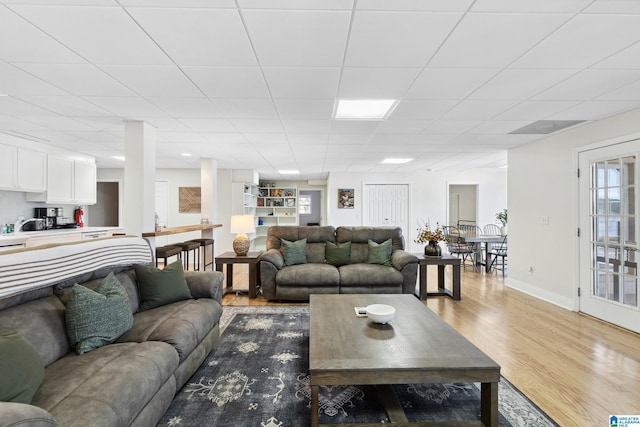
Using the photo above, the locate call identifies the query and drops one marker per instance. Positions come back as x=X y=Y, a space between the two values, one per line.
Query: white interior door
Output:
x=387 y=205
x=609 y=234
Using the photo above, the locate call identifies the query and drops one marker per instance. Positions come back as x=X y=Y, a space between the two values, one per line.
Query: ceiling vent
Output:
x=545 y=127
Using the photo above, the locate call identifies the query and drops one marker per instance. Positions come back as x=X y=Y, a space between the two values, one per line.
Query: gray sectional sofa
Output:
x=316 y=275
x=130 y=382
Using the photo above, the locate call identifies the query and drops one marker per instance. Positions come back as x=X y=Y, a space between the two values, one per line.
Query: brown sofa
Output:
x=297 y=282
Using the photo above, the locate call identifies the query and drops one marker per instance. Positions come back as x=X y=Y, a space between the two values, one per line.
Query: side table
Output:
x=441 y=262
x=231 y=258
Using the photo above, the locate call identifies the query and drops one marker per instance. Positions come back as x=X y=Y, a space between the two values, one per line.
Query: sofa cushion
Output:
x=108 y=386
x=159 y=287
x=96 y=318
x=308 y=275
x=337 y=254
x=182 y=324
x=379 y=253
x=21 y=369
x=369 y=274
x=294 y=252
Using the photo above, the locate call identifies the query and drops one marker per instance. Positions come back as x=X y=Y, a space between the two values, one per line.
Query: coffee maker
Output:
x=54 y=218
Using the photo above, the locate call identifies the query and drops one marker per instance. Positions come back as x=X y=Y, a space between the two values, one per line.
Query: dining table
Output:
x=478 y=240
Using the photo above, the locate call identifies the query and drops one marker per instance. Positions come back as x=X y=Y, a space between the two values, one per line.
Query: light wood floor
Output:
x=577 y=369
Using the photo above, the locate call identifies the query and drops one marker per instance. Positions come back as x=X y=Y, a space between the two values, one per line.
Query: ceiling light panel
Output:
x=298 y=38
x=468 y=45
x=363 y=108
x=214 y=37
x=409 y=39
x=89 y=31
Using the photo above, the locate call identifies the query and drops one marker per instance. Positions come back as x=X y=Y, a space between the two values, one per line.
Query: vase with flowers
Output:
x=502 y=217
x=432 y=238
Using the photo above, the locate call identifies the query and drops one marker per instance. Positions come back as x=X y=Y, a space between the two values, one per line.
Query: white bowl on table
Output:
x=380 y=313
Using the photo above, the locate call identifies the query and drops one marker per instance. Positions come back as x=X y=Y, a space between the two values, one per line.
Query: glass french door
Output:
x=609 y=234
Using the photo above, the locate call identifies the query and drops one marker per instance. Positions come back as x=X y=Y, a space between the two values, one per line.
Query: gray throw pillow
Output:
x=337 y=254
x=379 y=253
x=161 y=287
x=96 y=318
x=21 y=369
x=294 y=252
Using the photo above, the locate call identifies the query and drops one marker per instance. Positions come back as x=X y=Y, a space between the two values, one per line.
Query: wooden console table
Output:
x=231 y=258
x=441 y=262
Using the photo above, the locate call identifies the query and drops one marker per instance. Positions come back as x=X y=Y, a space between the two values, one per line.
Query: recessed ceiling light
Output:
x=394 y=161
x=118 y=158
x=186 y=154
x=364 y=109
x=288 y=172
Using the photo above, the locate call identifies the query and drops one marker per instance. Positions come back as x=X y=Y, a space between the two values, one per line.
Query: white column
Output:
x=208 y=195
x=139 y=178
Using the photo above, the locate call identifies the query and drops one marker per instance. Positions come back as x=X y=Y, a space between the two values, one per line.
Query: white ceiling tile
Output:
x=78 y=79
x=225 y=4
x=577 y=45
x=445 y=127
x=229 y=82
x=630 y=92
x=209 y=125
x=366 y=127
x=628 y=58
x=521 y=84
x=416 y=5
x=14 y=124
x=477 y=110
x=449 y=83
x=62 y=123
x=614 y=6
x=247 y=108
x=262 y=139
x=153 y=80
x=129 y=108
x=186 y=107
x=103 y=35
x=494 y=40
x=167 y=125
x=345 y=140
x=422 y=110
x=376 y=83
x=308 y=139
x=589 y=84
x=16 y=82
x=498 y=127
x=302 y=82
x=297 y=4
x=34 y=45
x=538 y=6
x=66 y=105
x=257 y=125
x=318 y=109
x=409 y=39
x=402 y=126
x=298 y=38
x=24 y=110
x=212 y=37
x=535 y=110
x=307 y=126
x=595 y=110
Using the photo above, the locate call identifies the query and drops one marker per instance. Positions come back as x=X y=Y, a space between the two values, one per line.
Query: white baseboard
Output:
x=534 y=291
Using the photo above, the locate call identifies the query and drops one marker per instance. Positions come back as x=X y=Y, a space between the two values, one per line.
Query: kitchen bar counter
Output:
x=34 y=238
x=182 y=229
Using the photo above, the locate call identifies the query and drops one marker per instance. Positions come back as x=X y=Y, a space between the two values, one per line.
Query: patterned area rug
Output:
x=258 y=376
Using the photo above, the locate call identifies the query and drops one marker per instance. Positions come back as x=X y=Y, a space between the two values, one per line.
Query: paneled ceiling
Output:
x=253 y=83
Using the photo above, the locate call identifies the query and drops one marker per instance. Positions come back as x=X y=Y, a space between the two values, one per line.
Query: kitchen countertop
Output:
x=23 y=236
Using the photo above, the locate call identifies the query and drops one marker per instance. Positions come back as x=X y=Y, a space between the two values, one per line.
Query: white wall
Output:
x=542 y=182
x=428 y=196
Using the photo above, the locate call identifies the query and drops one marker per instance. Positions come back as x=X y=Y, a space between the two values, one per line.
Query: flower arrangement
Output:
x=502 y=217
x=426 y=235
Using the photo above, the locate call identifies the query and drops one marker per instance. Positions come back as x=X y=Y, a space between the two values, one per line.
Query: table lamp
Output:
x=240 y=226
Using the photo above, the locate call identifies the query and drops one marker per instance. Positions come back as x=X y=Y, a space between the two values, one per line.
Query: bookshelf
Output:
x=274 y=206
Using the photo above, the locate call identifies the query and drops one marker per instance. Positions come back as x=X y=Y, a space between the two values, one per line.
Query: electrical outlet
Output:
x=530 y=271
x=544 y=220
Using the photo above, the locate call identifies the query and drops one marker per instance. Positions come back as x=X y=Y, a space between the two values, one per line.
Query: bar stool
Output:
x=167 y=252
x=186 y=248
x=204 y=243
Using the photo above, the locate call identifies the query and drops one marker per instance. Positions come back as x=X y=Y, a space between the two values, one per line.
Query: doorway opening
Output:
x=310 y=207
x=463 y=204
x=106 y=211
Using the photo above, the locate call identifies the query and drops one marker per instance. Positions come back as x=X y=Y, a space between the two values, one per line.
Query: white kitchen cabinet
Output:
x=22 y=169
x=68 y=181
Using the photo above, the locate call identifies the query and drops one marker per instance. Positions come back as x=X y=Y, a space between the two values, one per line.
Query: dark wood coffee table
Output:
x=415 y=347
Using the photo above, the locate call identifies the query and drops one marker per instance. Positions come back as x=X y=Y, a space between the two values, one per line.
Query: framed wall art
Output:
x=345 y=198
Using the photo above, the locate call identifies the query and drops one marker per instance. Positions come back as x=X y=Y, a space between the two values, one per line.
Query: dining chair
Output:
x=499 y=251
x=491 y=229
x=457 y=246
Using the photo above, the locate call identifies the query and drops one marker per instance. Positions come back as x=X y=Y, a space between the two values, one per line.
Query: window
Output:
x=304 y=205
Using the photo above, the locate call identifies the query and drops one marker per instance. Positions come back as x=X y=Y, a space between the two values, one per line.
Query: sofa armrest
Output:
x=205 y=284
x=270 y=263
x=21 y=414
x=400 y=259
x=273 y=256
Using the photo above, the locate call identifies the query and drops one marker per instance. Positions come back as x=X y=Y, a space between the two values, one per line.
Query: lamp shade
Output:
x=242 y=224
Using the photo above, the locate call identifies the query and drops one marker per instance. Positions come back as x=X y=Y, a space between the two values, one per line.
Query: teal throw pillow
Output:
x=337 y=254
x=97 y=318
x=161 y=287
x=294 y=252
x=379 y=253
x=21 y=369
